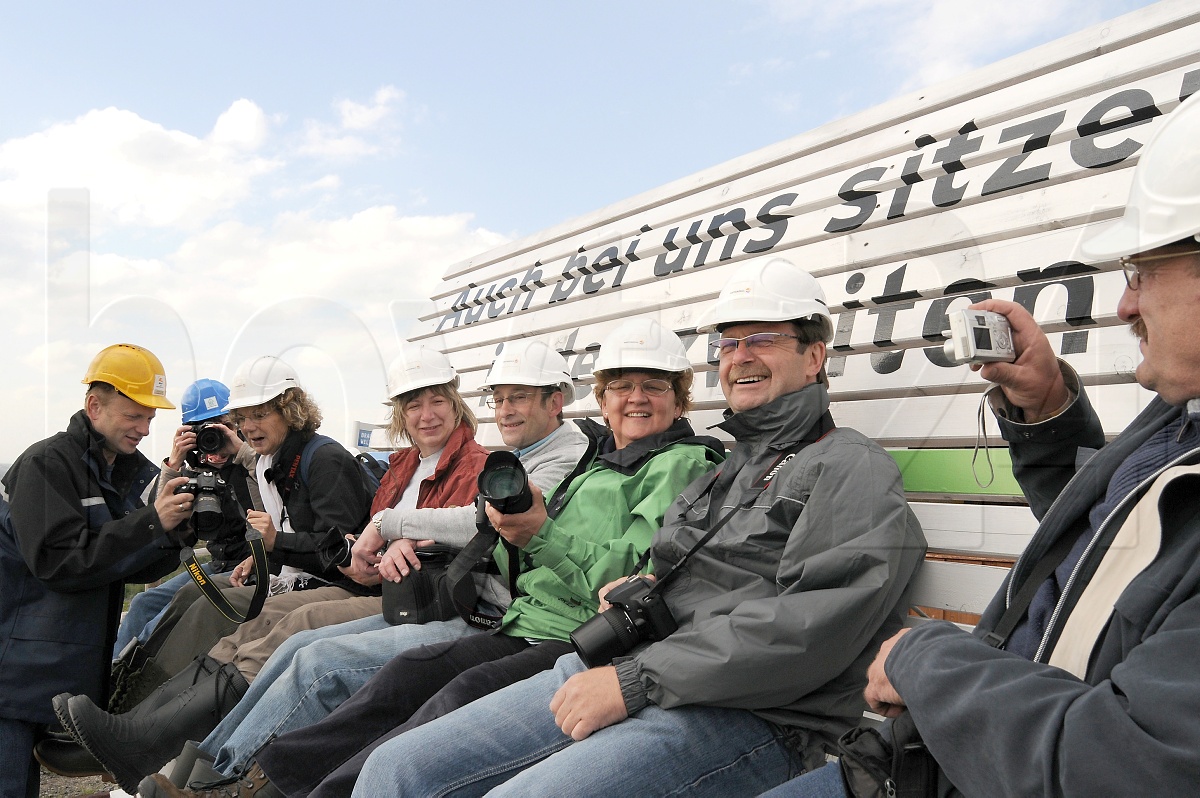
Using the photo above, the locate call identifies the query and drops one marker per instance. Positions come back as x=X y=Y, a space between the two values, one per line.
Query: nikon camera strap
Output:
x=262 y=578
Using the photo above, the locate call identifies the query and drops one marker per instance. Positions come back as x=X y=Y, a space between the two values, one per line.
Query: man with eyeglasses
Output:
x=1081 y=677
x=778 y=613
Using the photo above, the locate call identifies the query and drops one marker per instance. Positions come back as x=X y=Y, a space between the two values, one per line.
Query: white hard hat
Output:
x=1164 y=201
x=260 y=380
x=419 y=367
x=530 y=362
x=642 y=344
x=772 y=290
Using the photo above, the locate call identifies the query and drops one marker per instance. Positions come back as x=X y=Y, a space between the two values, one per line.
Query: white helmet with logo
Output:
x=530 y=362
x=260 y=380
x=1164 y=202
x=642 y=344
x=771 y=290
x=419 y=367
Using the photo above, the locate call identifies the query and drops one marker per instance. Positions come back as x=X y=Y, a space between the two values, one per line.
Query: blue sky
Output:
x=242 y=158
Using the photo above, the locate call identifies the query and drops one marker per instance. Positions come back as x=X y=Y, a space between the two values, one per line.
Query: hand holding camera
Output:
x=173 y=506
x=1033 y=381
x=515 y=506
x=520 y=528
x=182 y=444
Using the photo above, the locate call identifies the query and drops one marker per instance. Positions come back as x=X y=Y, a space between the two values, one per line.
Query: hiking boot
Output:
x=253 y=783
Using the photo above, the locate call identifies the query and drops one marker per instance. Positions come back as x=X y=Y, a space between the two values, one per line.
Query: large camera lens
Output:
x=206 y=515
x=605 y=636
x=504 y=484
x=209 y=439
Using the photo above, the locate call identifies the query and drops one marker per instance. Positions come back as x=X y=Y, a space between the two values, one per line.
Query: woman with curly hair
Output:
x=316 y=497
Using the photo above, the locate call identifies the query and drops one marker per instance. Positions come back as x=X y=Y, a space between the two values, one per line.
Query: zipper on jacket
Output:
x=1092 y=544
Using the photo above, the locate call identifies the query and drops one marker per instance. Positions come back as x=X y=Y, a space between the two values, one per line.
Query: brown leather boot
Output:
x=253 y=783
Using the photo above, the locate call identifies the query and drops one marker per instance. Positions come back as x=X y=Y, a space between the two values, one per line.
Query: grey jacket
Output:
x=455 y=526
x=1002 y=725
x=781 y=612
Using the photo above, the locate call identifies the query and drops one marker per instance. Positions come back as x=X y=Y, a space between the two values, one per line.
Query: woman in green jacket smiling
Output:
x=591 y=530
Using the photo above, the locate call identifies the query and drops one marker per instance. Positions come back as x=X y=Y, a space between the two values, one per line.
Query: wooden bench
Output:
x=975 y=533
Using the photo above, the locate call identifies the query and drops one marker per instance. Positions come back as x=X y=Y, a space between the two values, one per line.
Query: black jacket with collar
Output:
x=76 y=534
x=333 y=502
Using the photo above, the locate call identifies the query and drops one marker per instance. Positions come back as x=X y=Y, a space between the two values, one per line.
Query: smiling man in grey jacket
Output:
x=778 y=613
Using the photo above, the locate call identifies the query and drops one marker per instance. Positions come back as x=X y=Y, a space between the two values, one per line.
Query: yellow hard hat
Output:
x=133 y=371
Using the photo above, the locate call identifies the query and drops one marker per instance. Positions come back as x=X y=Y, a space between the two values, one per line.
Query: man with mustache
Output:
x=1081 y=678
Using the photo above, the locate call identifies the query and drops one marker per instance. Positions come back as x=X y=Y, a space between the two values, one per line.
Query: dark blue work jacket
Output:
x=73 y=532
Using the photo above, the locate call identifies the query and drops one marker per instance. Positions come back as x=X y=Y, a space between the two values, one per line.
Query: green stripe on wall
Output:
x=949 y=471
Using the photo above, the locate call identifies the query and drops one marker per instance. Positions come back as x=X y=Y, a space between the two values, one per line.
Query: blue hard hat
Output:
x=204 y=399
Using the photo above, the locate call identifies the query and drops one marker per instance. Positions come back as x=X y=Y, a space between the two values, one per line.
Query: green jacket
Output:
x=602 y=521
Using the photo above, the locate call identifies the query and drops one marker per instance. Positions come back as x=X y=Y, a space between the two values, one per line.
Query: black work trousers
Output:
x=421 y=684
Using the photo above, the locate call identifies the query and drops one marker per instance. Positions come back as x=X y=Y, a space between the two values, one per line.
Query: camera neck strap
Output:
x=819 y=430
x=476 y=557
x=262 y=578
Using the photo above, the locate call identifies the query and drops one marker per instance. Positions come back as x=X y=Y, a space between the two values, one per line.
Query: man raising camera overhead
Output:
x=778 y=613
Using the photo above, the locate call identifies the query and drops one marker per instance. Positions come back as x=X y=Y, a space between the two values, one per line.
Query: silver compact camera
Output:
x=979 y=336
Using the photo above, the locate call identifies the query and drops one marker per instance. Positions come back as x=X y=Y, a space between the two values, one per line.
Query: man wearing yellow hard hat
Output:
x=75 y=528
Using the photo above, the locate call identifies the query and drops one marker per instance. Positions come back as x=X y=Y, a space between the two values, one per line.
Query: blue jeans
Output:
x=310 y=675
x=19 y=774
x=823 y=782
x=509 y=744
x=147 y=607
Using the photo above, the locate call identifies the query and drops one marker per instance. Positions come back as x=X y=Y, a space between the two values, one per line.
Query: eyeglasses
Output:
x=1133 y=271
x=756 y=342
x=518 y=399
x=258 y=417
x=649 y=387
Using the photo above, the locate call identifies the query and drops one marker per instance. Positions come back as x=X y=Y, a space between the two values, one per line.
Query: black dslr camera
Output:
x=210 y=496
x=504 y=484
x=638 y=613
x=210 y=439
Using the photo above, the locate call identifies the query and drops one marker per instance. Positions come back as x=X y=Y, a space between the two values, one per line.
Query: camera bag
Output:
x=424 y=595
x=874 y=766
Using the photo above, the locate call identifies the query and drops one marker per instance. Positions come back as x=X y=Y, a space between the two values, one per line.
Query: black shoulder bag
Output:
x=875 y=767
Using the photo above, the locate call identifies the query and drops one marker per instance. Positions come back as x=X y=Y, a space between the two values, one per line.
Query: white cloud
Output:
x=243 y=126
x=194 y=257
x=136 y=171
x=357 y=116
x=362 y=129
x=321 y=140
